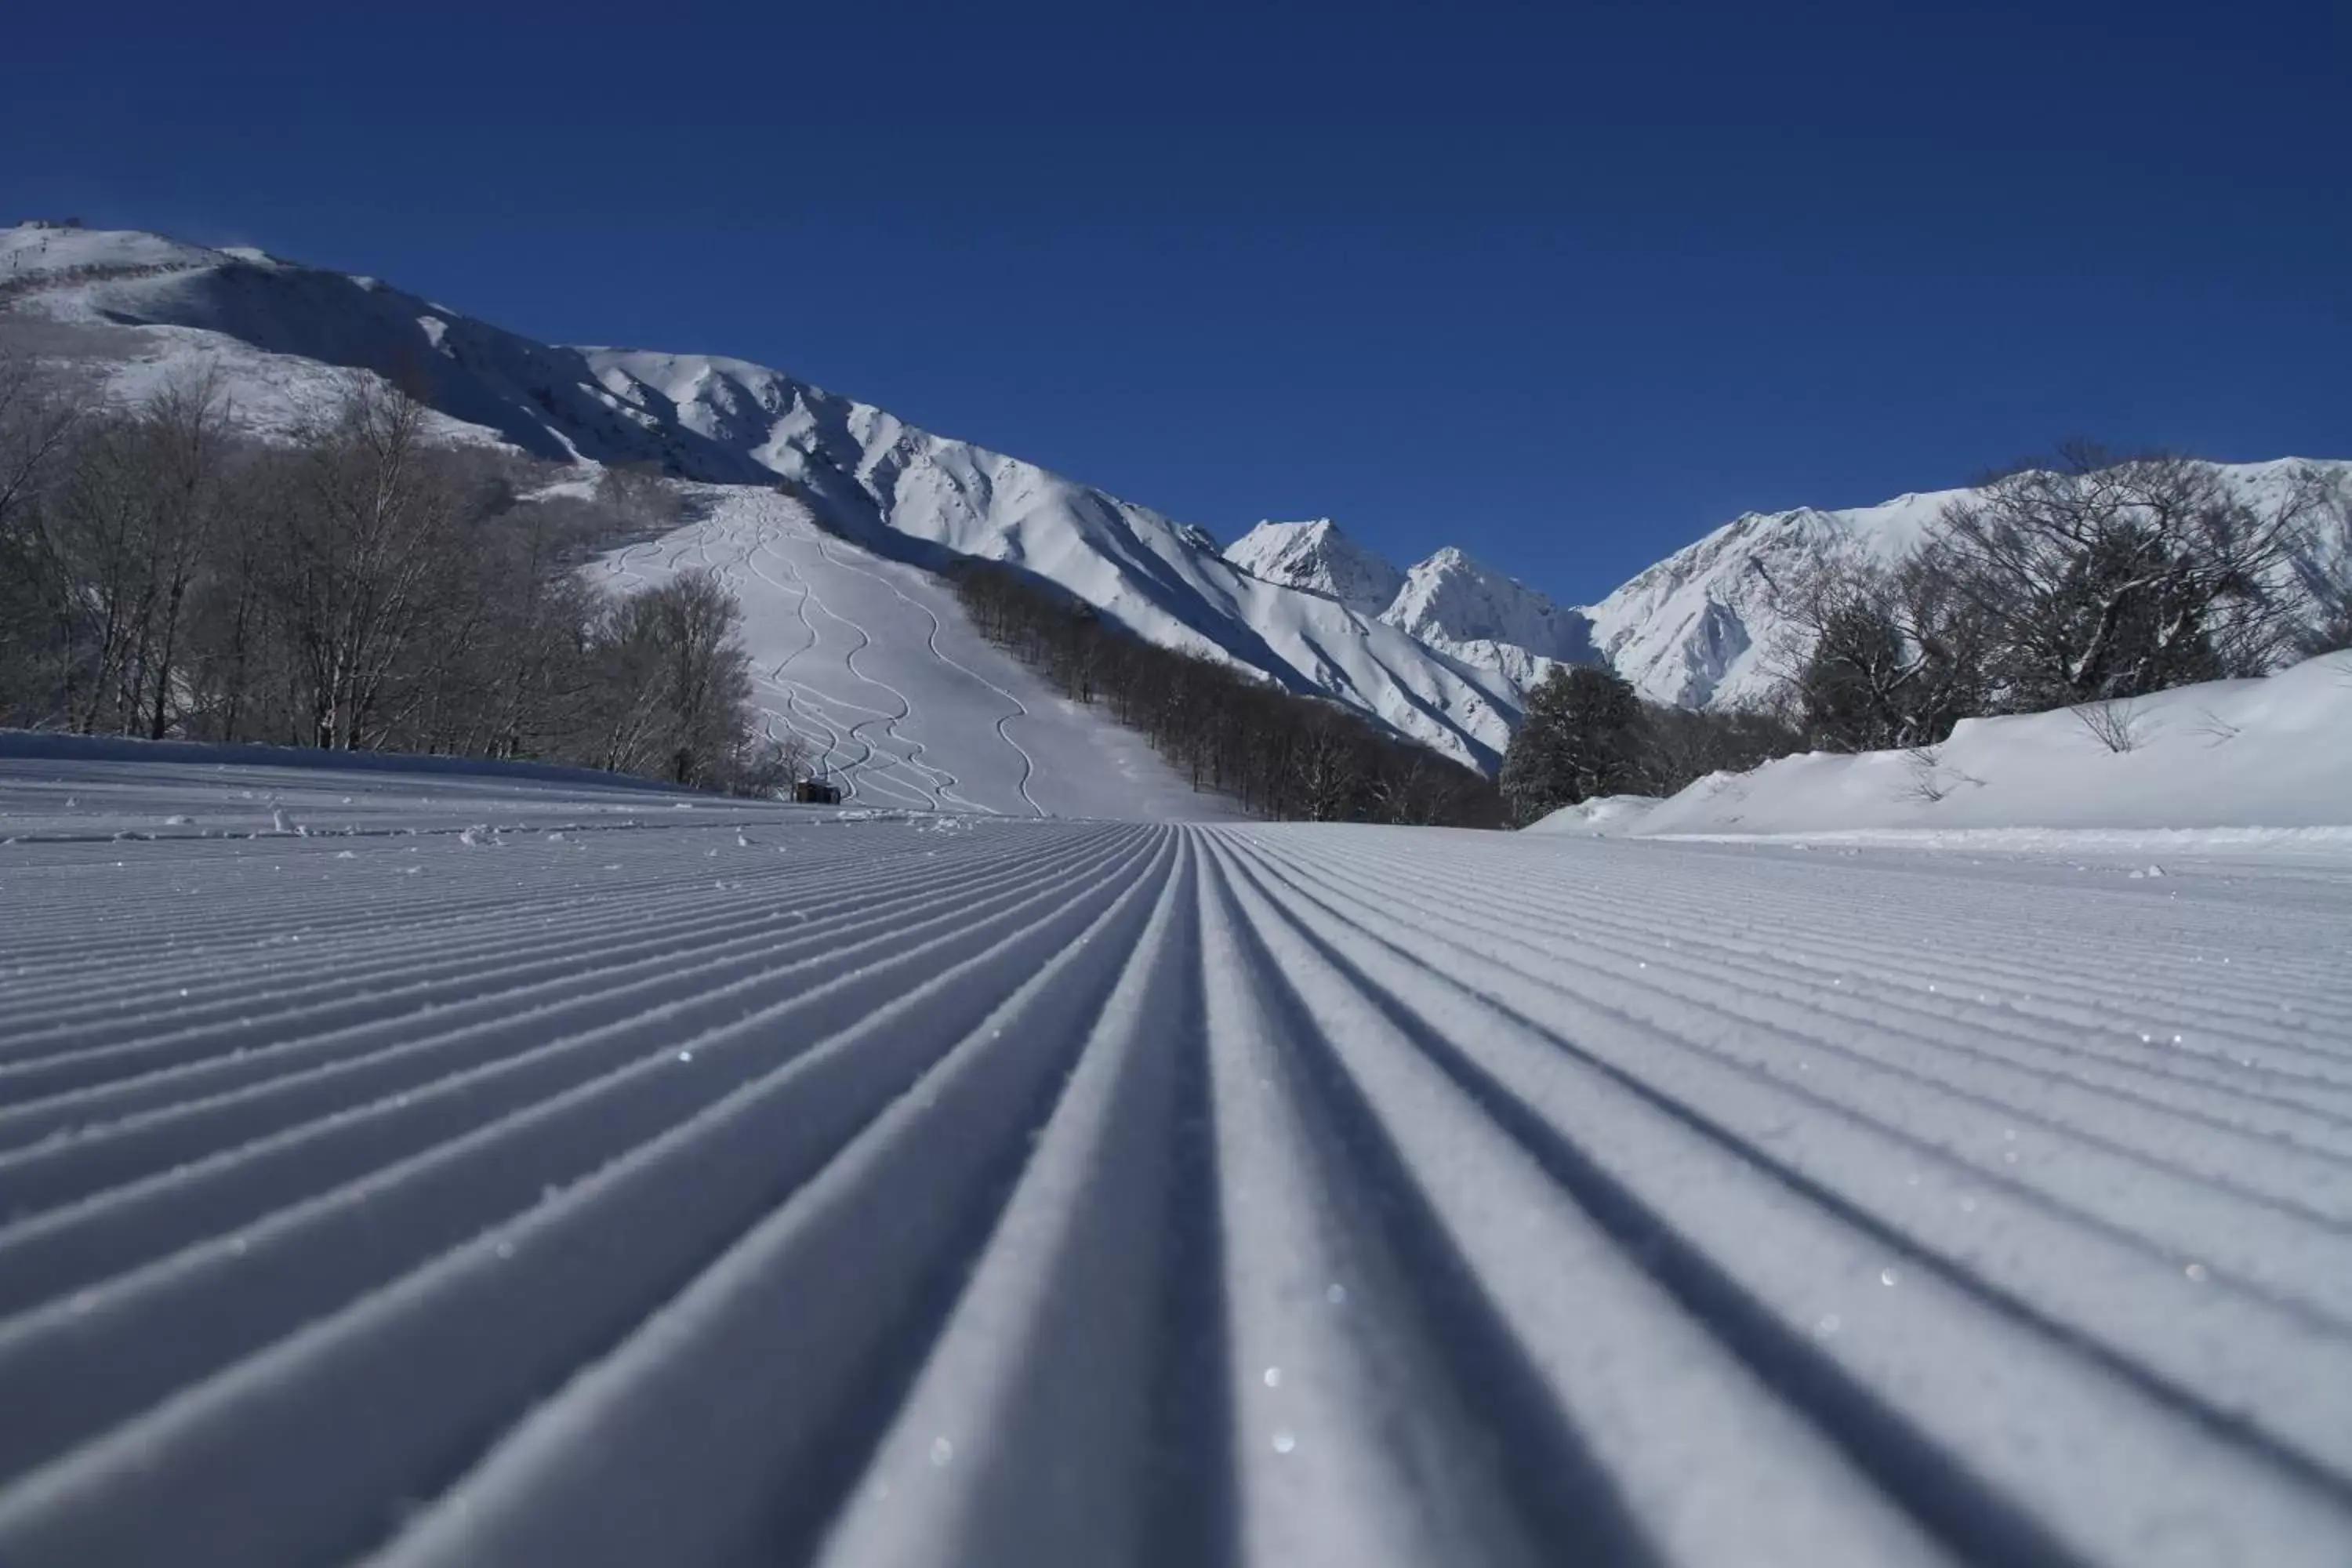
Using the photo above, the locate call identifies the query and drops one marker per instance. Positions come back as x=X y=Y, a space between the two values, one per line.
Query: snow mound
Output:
x=2269 y=754
x=1606 y=814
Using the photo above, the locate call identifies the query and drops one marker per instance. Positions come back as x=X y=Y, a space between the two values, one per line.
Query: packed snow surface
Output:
x=2269 y=754
x=420 y=1170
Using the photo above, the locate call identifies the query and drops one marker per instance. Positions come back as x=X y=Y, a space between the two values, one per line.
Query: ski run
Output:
x=421 y=1169
x=874 y=668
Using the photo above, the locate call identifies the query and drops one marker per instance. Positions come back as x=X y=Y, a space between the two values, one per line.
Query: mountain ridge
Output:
x=1442 y=652
x=275 y=326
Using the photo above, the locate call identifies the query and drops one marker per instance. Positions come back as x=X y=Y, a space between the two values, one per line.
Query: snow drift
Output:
x=2272 y=753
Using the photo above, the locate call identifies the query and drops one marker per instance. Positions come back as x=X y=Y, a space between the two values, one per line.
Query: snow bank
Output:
x=1604 y=814
x=2273 y=754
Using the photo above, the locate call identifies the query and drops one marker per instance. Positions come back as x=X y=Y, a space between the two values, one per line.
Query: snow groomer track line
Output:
x=535 y=1173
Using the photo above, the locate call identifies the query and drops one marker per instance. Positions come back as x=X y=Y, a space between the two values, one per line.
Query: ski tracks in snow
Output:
x=1020 y=708
x=741 y=545
x=769 y=1186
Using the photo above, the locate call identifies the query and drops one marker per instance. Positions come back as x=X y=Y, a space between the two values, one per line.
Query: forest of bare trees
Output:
x=1274 y=752
x=357 y=587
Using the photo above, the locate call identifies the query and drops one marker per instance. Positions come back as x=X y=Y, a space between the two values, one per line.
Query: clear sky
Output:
x=1566 y=284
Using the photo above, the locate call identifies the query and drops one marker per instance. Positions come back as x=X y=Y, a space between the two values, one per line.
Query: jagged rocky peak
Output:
x=1316 y=556
x=1451 y=601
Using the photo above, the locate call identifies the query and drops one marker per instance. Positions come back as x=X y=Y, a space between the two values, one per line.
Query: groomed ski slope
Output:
x=534 y=1174
x=872 y=664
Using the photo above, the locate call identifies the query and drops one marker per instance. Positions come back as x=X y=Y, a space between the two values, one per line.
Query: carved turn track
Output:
x=560 y=1175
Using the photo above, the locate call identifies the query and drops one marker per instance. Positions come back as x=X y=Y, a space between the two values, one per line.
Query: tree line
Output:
x=355 y=586
x=1275 y=753
x=2083 y=581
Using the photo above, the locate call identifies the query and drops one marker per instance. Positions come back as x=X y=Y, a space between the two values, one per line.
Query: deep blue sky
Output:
x=1566 y=284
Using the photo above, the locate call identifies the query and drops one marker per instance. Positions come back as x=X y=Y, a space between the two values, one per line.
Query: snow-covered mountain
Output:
x=1479 y=615
x=1448 y=602
x=1316 y=556
x=138 y=307
x=1442 y=653
x=1701 y=629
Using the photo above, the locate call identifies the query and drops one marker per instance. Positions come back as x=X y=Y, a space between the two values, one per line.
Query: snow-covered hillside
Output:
x=2229 y=755
x=873 y=666
x=1442 y=653
x=1316 y=556
x=1448 y=602
x=1701 y=629
x=136 y=307
x=1476 y=614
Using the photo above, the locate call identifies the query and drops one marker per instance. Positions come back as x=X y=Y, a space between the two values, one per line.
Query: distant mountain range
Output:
x=1443 y=652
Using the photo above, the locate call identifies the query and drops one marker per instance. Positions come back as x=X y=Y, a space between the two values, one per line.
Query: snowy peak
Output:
x=136 y=309
x=1317 y=557
x=1450 y=601
x=33 y=253
x=1703 y=627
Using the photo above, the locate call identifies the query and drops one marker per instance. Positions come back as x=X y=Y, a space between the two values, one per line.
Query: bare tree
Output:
x=185 y=431
x=1880 y=656
x=2326 y=560
x=40 y=415
x=680 y=682
x=2098 y=577
x=2115 y=723
x=1852 y=670
x=367 y=541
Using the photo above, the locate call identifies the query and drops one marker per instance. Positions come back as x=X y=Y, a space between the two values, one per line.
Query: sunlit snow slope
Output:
x=1443 y=654
x=1704 y=628
x=481 y=1173
x=137 y=308
x=900 y=702
x=2269 y=754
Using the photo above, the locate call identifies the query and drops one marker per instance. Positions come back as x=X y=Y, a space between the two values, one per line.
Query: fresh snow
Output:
x=420 y=1171
x=2269 y=754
